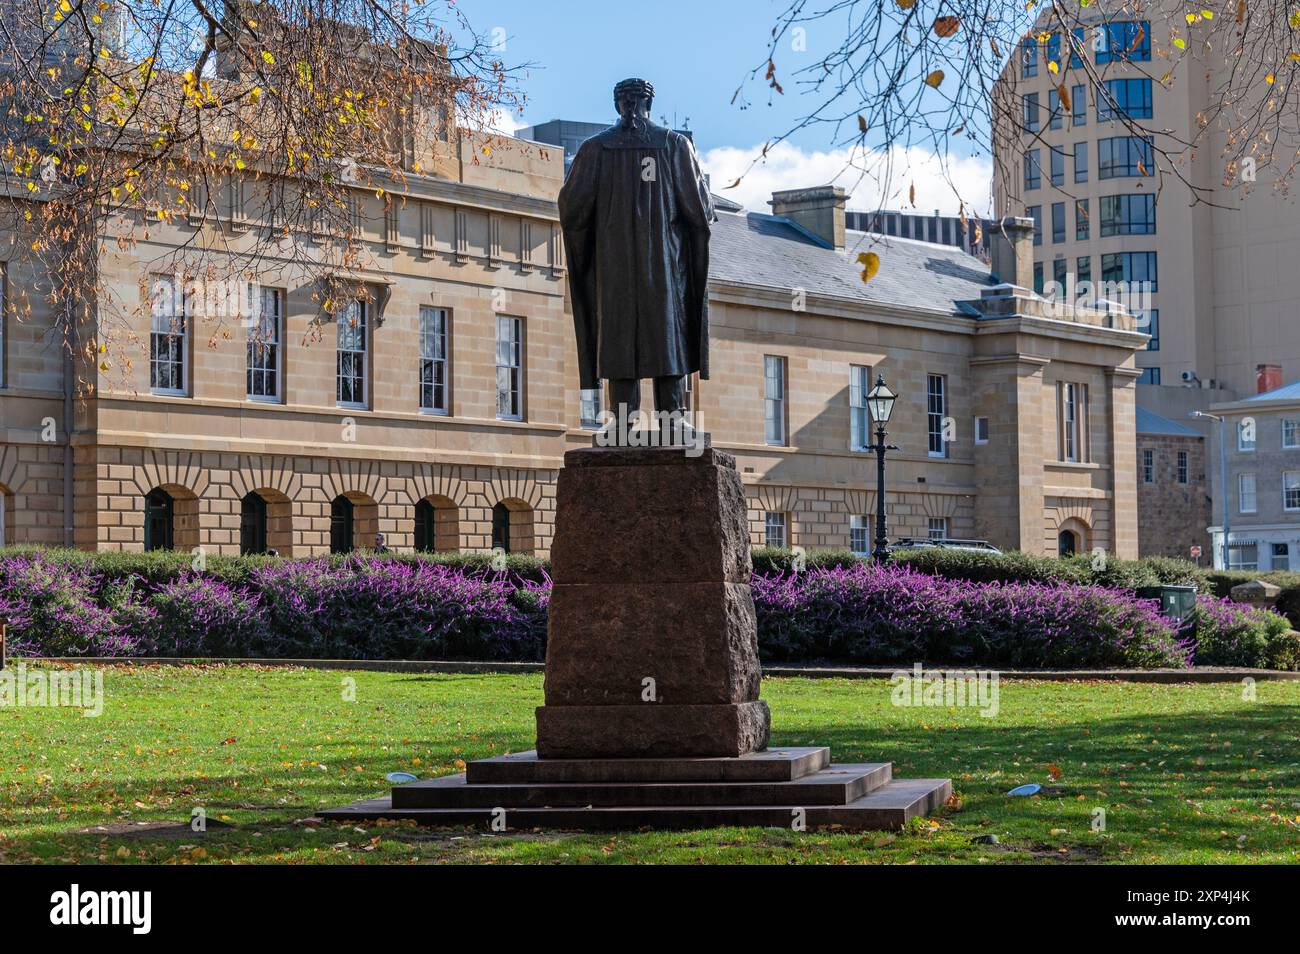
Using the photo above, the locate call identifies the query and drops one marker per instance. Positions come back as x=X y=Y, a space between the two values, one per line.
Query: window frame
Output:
x=1184 y=467
x=859 y=413
x=776 y=431
x=1117 y=215
x=1292 y=424
x=1148 y=466
x=777 y=520
x=275 y=367
x=1115 y=107
x=360 y=330
x=861 y=524
x=432 y=362
x=1136 y=162
x=511 y=348
x=593 y=399
x=183 y=339
x=1242 y=446
x=935 y=435
x=1291 y=485
x=1241 y=493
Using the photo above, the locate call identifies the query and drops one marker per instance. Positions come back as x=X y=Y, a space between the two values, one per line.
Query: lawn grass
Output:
x=1185 y=773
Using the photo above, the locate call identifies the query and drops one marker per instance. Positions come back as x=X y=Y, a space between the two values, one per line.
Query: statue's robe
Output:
x=636 y=236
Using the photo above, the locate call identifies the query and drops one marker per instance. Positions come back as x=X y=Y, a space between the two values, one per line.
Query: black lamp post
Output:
x=880 y=401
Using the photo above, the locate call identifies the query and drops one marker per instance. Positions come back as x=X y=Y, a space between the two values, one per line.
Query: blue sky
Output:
x=696 y=54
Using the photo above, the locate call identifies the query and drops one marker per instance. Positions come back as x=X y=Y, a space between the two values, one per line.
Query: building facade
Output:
x=436 y=407
x=1085 y=164
x=1263 y=493
x=1173 y=492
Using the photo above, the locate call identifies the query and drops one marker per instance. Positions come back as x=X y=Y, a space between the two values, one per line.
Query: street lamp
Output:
x=880 y=401
x=1223 y=474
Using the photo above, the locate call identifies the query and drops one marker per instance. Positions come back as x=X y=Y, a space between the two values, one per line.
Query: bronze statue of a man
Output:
x=635 y=212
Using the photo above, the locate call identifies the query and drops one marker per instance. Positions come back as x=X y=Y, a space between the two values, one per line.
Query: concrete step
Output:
x=888 y=807
x=772 y=765
x=835 y=785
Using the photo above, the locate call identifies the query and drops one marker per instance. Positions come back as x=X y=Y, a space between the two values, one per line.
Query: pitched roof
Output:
x=1287 y=392
x=752 y=248
x=1148 y=422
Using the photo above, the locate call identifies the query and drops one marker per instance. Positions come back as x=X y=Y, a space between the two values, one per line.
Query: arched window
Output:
x=252 y=524
x=425 y=521
x=501 y=527
x=159 y=520
x=341 y=525
x=1067 y=544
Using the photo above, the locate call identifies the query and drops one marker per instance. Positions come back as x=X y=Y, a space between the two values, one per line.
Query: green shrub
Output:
x=1232 y=634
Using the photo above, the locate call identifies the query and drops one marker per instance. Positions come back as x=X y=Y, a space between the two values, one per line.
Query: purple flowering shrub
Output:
x=1230 y=634
x=385 y=609
x=57 y=610
x=872 y=614
x=199 y=616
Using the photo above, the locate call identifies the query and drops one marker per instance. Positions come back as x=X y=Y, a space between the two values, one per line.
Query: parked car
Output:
x=920 y=543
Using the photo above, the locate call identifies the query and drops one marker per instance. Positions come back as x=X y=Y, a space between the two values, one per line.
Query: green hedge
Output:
x=161 y=566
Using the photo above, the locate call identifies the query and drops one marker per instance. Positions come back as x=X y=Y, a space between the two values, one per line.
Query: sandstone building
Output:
x=437 y=407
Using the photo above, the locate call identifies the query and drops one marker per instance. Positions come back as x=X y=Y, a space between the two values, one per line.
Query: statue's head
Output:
x=632 y=99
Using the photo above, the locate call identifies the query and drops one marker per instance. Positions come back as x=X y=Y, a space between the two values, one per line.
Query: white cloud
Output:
x=871 y=182
x=504 y=122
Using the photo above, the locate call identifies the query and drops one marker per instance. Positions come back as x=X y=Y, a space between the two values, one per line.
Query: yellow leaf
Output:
x=870 y=263
x=267 y=58
x=934 y=79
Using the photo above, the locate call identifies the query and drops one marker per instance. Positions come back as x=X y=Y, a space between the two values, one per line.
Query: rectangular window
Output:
x=1124 y=41
x=510 y=368
x=1130 y=267
x=936 y=390
x=1129 y=214
x=1038 y=277
x=937 y=528
x=1055 y=115
x=1152 y=319
x=1073 y=403
x=1291 y=490
x=859 y=417
x=1149 y=376
x=1031 y=112
x=981 y=430
x=1033 y=170
x=1182 y=467
x=1029 y=58
x=264 y=334
x=774 y=530
x=1058 y=223
x=590 y=407
x=1148 y=466
x=1079 y=104
x=1078 y=43
x=1059 y=270
x=1245 y=493
x=774 y=399
x=1035 y=212
x=168 y=338
x=353 y=346
x=1058 y=165
x=860 y=535
x=1125 y=157
x=1290 y=433
x=1246 y=436
x=1082 y=225
x=1080 y=162
x=1281 y=556
x=1243 y=556
x=1083 y=269
x=1124 y=98
x=435 y=377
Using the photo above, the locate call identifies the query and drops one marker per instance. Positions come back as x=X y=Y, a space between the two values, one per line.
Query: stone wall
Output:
x=1172 y=517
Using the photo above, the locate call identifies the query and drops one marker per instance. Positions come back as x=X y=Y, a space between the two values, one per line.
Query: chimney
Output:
x=819 y=210
x=1012 y=248
x=1268 y=377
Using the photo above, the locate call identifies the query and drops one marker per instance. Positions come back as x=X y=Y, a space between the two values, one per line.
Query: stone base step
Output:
x=770 y=765
x=836 y=785
x=889 y=806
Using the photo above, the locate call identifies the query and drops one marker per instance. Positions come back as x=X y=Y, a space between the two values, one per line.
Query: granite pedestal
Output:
x=652 y=714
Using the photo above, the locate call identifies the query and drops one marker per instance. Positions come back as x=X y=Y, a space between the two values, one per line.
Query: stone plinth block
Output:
x=651 y=729
x=696 y=641
x=652 y=647
x=649 y=515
